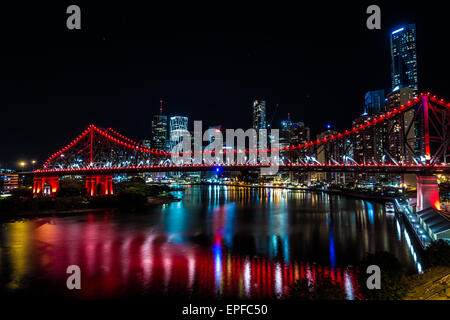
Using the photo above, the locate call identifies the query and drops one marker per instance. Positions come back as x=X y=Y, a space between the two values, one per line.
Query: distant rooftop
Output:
x=7 y=170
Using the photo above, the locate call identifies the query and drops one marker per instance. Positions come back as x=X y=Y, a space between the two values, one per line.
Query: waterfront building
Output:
x=9 y=180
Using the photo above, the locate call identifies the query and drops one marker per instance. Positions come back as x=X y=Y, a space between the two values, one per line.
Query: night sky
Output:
x=208 y=62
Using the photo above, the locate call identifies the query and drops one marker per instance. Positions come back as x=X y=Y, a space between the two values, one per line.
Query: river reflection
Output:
x=217 y=241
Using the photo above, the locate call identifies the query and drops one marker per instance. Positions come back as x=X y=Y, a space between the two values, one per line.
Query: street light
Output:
x=22 y=164
x=33 y=162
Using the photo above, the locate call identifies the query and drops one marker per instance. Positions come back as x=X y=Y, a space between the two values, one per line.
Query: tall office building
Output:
x=397 y=128
x=326 y=153
x=285 y=131
x=293 y=134
x=374 y=102
x=299 y=134
x=217 y=129
x=285 y=137
x=404 y=58
x=159 y=131
x=259 y=114
x=368 y=143
x=259 y=121
x=178 y=127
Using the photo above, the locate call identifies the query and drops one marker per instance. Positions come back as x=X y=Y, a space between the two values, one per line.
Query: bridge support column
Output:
x=47 y=186
x=427 y=192
x=99 y=185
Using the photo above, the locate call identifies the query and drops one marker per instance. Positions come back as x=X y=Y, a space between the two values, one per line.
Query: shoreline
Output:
x=151 y=202
x=336 y=192
x=158 y=201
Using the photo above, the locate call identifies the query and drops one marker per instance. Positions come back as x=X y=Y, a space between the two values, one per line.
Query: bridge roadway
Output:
x=368 y=168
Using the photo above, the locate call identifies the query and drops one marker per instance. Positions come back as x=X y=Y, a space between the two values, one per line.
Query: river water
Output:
x=217 y=241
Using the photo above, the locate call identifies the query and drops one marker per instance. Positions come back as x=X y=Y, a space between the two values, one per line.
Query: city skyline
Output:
x=208 y=156
x=256 y=53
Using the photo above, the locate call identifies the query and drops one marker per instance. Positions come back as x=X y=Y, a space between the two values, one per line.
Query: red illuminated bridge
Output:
x=412 y=138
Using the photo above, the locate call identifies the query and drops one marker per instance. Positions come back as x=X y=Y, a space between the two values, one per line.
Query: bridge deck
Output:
x=400 y=169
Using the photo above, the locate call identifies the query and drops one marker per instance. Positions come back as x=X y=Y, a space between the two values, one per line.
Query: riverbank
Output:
x=433 y=284
x=129 y=196
x=7 y=216
x=83 y=209
x=50 y=213
x=412 y=222
x=347 y=193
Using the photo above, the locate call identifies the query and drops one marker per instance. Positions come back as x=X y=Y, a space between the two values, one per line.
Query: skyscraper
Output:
x=403 y=129
x=159 y=131
x=367 y=144
x=285 y=136
x=299 y=133
x=285 y=132
x=178 y=127
x=293 y=134
x=374 y=102
x=217 y=129
x=404 y=58
x=259 y=114
x=326 y=153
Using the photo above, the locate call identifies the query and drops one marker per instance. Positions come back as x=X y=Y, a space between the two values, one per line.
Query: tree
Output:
x=324 y=288
x=437 y=254
x=22 y=192
x=394 y=283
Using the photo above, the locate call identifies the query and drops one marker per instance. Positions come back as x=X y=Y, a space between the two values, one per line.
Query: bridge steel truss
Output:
x=412 y=138
x=103 y=148
x=417 y=132
x=356 y=168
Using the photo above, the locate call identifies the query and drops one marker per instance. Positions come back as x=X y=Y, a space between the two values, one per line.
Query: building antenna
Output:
x=160 y=107
x=273 y=114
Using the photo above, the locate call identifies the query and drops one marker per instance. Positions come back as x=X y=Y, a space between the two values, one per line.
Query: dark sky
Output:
x=206 y=61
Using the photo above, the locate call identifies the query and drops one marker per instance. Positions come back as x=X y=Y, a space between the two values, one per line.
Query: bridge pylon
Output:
x=46 y=186
x=427 y=192
x=99 y=185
